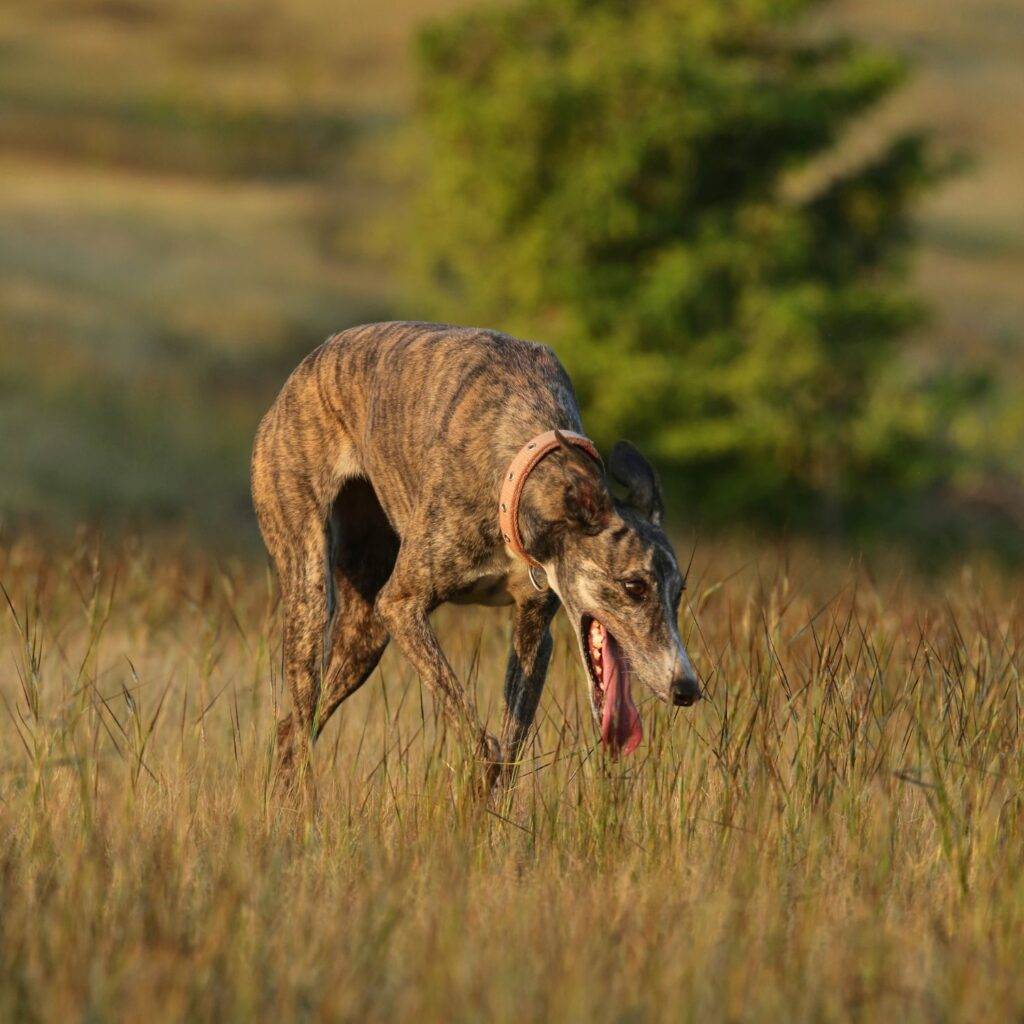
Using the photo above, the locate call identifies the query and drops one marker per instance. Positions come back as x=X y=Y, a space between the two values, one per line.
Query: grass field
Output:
x=838 y=833
x=190 y=194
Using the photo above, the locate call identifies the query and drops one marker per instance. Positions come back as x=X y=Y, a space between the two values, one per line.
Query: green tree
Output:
x=641 y=184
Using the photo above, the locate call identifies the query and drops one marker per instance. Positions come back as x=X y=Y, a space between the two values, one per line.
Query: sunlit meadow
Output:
x=189 y=194
x=836 y=833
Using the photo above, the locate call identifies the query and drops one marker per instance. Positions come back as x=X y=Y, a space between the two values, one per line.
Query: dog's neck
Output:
x=542 y=522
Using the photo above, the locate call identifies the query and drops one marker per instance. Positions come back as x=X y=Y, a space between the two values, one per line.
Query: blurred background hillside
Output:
x=194 y=194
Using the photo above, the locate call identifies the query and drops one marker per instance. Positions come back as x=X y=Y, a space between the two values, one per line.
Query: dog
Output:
x=400 y=468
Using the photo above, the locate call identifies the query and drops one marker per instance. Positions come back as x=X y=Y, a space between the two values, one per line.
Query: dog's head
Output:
x=617 y=576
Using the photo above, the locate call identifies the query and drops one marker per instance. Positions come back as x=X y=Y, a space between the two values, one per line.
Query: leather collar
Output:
x=518 y=473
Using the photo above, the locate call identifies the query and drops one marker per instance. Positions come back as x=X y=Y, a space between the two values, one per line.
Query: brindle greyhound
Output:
x=377 y=477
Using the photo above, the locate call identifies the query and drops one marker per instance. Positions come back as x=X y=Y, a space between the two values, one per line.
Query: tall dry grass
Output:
x=836 y=834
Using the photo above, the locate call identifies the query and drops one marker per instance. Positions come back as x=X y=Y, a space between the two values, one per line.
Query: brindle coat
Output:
x=375 y=477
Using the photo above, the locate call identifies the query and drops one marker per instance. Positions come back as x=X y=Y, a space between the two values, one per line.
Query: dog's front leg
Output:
x=404 y=605
x=526 y=672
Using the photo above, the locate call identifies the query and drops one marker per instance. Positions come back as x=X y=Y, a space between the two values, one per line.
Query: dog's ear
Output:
x=636 y=474
x=586 y=498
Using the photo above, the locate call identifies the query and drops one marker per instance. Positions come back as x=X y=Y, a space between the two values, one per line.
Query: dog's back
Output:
x=406 y=404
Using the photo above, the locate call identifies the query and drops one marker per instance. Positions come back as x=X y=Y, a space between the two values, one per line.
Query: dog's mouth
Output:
x=610 y=696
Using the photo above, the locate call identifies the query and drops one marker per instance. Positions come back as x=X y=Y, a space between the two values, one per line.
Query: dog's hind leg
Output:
x=358 y=639
x=363 y=551
x=305 y=588
x=526 y=672
x=302 y=457
x=292 y=524
x=357 y=642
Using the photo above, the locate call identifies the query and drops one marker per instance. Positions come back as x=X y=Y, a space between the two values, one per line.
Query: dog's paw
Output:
x=490 y=749
x=492 y=760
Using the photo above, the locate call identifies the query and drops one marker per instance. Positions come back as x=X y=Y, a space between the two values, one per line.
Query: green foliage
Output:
x=642 y=185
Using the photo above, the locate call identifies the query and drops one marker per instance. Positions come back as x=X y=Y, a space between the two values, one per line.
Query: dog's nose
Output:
x=685 y=691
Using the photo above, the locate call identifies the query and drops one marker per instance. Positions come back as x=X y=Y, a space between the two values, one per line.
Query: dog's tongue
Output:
x=621 y=731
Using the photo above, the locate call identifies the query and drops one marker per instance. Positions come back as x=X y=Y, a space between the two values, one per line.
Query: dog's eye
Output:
x=636 y=588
